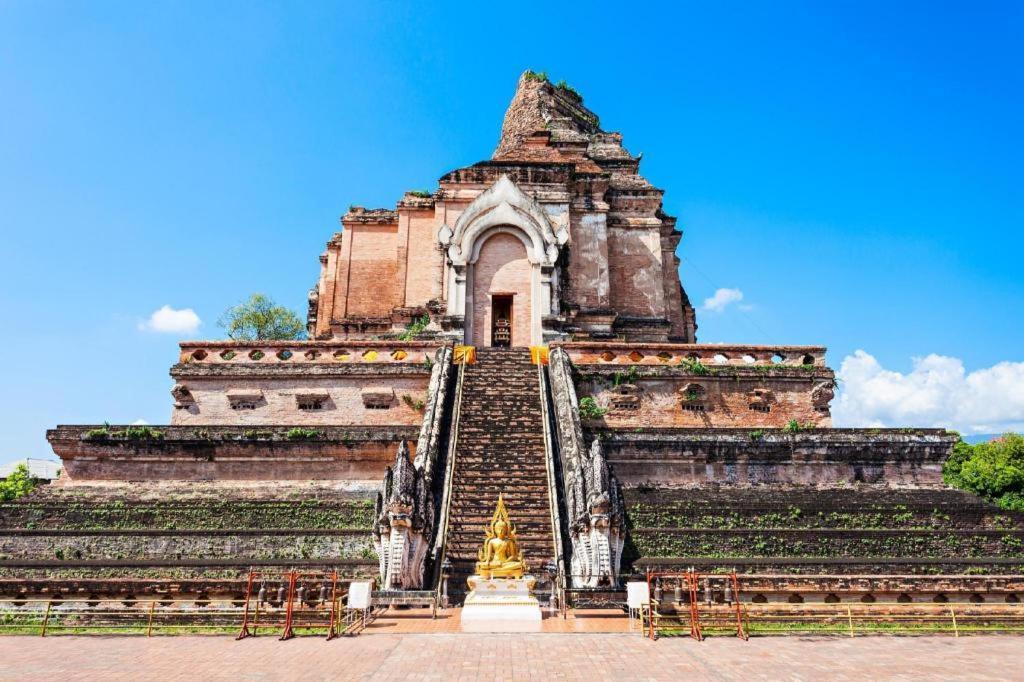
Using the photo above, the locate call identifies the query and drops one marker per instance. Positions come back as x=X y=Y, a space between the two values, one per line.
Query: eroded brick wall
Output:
x=373 y=288
x=634 y=264
x=345 y=401
x=726 y=402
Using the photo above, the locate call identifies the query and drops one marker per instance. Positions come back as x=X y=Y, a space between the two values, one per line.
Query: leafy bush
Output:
x=792 y=426
x=536 y=75
x=130 y=433
x=421 y=193
x=19 y=483
x=694 y=366
x=142 y=433
x=414 y=403
x=589 y=408
x=302 y=434
x=994 y=470
x=415 y=328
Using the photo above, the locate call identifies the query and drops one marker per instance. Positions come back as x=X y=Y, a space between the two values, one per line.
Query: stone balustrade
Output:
x=709 y=354
x=306 y=352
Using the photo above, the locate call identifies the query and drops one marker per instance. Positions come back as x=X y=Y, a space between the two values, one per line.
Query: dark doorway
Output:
x=501 y=321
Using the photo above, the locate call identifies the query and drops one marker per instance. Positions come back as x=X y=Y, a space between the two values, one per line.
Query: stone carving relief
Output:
x=596 y=521
x=595 y=512
x=403 y=524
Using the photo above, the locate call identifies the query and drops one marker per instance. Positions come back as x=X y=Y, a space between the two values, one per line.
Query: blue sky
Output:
x=854 y=169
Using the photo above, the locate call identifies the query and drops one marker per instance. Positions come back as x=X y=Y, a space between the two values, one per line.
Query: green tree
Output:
x=19 y=483
x=994 y=470
x=260 y=319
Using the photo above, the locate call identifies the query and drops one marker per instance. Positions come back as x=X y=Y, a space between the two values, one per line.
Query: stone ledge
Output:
x=741 y=436
x=715 y=372
x=191 y=370
x=683 y=456
x=231 y=453
x=189 y=532
x=735 y=561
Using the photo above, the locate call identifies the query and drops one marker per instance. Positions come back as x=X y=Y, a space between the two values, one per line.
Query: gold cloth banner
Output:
x=464 y=355
x=539 y=355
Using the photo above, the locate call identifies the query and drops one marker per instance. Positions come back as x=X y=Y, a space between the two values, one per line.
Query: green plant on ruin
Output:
x=757 y=435
x=630 y=376
x=414 y=403
x=428 y=364
x=258 y=318
x=101 y=433
x=793 y=426
x=414 y=328
x=589 y=408
x=420 y=193
x=540 y=76
x=142 y=433
x=694 y=366
x=138 y=432
x=17 y=484
x=256 y=434
x=565 y=87
x=299 y=433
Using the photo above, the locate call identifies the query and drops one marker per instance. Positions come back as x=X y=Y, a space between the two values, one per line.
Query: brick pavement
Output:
x=512 y=657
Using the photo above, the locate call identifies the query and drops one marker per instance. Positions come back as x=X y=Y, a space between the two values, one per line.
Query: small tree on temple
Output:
x=260 y=319
x=19 y=482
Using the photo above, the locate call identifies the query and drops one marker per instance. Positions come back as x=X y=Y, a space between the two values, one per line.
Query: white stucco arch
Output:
x=502 y=208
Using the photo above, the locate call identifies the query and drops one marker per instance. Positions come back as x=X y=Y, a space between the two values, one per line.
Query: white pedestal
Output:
x=501 y=605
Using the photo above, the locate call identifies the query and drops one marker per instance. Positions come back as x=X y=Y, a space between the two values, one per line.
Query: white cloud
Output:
x=722 y=298
x=170 y=321
x=140 y=422
x=937 y=392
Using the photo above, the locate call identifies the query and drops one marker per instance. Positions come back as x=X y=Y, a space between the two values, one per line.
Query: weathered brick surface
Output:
x=342 y=405
x=373 y=268
x=209 y=453
x=502 y=269
x=619 y=260
x=685 y=457
x=499 y=451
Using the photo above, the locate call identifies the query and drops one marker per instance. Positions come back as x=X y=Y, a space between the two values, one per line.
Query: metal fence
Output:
x=838 y=620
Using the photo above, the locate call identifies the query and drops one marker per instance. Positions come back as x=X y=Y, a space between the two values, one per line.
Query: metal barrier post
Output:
x=46 y=618
x=287 y=633
x=650 y=603
x=740 y=632
x=245 y=614
x=334 y=606
x=692 y=579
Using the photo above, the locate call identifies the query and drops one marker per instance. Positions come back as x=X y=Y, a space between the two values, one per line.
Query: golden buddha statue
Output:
x=500 y=556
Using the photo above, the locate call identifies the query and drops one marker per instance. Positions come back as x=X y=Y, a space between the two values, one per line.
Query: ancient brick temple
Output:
x=557 y=235
x=521 y=330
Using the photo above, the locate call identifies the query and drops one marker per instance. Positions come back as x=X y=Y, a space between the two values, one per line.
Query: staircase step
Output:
x=499 y=449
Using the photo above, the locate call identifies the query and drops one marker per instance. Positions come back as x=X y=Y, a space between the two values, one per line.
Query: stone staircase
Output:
x=499 y=449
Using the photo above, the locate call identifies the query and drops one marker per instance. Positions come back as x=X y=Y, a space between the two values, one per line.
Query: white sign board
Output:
x=637 y=595
x=359 y=594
